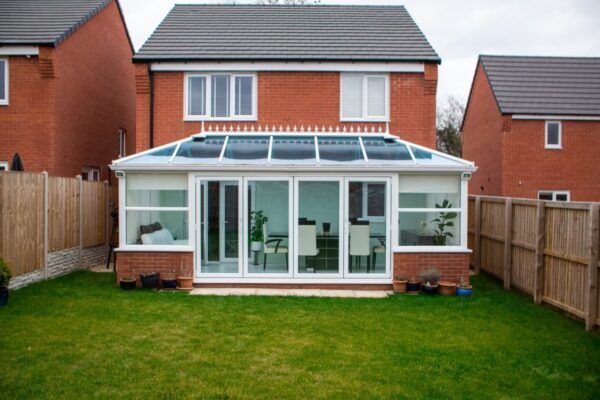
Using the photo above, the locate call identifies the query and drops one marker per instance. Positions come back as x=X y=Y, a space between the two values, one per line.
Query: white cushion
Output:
x=160 y=237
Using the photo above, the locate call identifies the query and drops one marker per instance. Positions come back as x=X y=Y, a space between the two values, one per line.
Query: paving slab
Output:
x=373 y=294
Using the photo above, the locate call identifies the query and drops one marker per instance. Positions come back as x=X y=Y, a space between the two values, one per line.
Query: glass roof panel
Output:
x=246 y=150
x=293 y=150
x=380 y=150
x=336 y=150
x=160 y=156
x=200 y=150
x=426 y=157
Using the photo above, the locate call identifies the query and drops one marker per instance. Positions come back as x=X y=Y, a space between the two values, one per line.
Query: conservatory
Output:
x=291 y=207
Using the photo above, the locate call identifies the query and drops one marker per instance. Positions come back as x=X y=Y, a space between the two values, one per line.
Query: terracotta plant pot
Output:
x=400 y=286
x=447 y=288
x=185 y=283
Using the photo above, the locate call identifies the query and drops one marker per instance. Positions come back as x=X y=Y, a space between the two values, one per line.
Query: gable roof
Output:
x=279 y=33
x=44 y=22
x=544 y=85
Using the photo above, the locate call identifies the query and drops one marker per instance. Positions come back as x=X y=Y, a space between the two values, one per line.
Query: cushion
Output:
x=160 y=237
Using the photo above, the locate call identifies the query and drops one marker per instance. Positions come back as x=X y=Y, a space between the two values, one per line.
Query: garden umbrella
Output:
x=17 y=164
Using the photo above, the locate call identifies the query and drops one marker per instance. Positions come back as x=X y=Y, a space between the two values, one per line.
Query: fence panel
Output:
x=22 y=221
x=523 y=245
x=63 y=213
x=94 y=213
x=492 y=236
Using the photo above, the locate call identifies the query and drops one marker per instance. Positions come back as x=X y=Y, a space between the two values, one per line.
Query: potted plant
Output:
x=149 y=280
x=444 y=220
x=413 y=286
x=169 y=280
x=186 y=277
x=127 y=282
x=464 y=289
x=5 y=276
x=447 y=288
x=400 y=284
x=256 y=231
x=430 y=278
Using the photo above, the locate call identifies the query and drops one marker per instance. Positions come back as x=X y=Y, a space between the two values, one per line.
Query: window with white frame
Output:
x=364 y=97
x=122 y=142
x=554 y=195
x=429 y=212
x=553 y=136
x=90 y=174
x=220 y=96
x=156 y=209
x=3 y=81
x=4 y=166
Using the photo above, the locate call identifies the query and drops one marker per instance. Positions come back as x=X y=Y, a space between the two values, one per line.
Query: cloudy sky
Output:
x=459 y=30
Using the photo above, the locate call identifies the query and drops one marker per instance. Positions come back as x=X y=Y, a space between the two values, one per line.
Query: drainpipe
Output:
x=151 y=84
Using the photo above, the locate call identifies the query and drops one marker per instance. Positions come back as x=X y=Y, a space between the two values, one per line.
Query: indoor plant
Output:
x=443 y=221
x=149 y=280
x=127 y=282
x=413 y=286
x=400 y=284
x=430 y=278
x=186 y=277
x=464 y=289
x=447 y=288
x=169 y=280
x=256 y=231
x=5 y=276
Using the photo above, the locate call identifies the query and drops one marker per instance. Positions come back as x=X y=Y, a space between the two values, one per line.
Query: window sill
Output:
x=552 y=147
x=157 y=248
x=381 y=120
x=431 y=249
x=210 y=119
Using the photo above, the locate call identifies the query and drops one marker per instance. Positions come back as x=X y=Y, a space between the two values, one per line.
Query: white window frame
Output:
x=4 y=101
x=550 y=145
x=208 y=97
x=122 y=142
x=555 y=193
x=92 y=172
x=365 y=116
x=4 y=166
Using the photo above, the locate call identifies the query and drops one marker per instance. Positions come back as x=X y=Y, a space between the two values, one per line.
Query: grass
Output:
x=79 y=336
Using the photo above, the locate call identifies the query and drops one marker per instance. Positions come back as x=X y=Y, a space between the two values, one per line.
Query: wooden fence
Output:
x=40 y=214
x=546 y=249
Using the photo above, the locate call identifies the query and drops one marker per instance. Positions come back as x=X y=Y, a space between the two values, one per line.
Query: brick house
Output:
x=532 y=125
x=317 y=117
x=67 y=91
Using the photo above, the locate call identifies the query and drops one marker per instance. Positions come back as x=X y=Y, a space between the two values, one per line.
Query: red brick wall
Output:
x=136 y=262
x=452 y=266
x=482 y=138
x=529 y=167
x=67 y=105
x=299 y=98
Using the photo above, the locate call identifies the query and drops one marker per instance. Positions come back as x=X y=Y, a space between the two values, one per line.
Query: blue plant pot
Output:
x=464 y=292
x=413 y=287
x=169 y=283
x=430 y=289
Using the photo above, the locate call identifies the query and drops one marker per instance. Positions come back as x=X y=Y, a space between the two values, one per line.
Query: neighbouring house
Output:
x=289 y=145
x=67 y=88
x=532 y=126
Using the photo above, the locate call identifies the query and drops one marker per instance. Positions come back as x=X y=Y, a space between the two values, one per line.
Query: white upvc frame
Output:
x=553 y=146
x=463 y=215
x=208 y=97
x=291 y=228
x=122 y=142
x=4 y=166
x=5 y=101
x=555 y=193
x=387 y=219
x=365 y=117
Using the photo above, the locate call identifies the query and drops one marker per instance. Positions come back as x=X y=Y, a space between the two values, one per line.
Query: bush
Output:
x=5 y=274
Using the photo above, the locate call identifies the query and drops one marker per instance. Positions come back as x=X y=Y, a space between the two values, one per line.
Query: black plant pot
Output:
x=169 y=283
x=3 y=296
x=413 y=287
x=433 y=289
x=127 y=284
x=149 y=281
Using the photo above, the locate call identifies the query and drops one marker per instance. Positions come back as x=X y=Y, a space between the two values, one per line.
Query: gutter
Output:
x=151 y=87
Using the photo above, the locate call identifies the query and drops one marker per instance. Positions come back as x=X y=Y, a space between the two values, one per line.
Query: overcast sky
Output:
x=459 y=30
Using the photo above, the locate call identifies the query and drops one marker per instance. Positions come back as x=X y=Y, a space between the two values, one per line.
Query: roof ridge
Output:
x=538 y=56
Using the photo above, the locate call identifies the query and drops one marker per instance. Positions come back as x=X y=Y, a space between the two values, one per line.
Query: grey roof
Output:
x=39 y=22
x=262 y=32
x=544 y=85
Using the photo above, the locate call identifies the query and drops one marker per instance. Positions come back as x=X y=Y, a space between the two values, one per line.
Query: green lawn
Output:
x=81 y=337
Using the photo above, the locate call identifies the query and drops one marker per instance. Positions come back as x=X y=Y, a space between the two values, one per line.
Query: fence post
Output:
x=80 y=181
x=477 y=245
x=593 y=243
x=507 y=242
x=106 y=211
x=46 y=200
x=540 y=244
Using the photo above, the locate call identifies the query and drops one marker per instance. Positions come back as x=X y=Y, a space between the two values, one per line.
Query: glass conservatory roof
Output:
x=296 y=149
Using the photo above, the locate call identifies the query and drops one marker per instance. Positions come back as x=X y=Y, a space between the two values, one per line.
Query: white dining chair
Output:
x=307 y=241
x=360 y=242
x=273 y=246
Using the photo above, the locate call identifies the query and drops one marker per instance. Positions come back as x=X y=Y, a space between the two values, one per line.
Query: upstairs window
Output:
x=553 y=135
x=554 y=195
x=3 y=81
x=4 y=166
x=122 y=142
x=364 y=97
x=220 y=96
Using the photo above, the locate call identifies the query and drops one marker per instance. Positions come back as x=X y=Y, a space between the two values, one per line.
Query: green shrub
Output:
x=5 y=274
